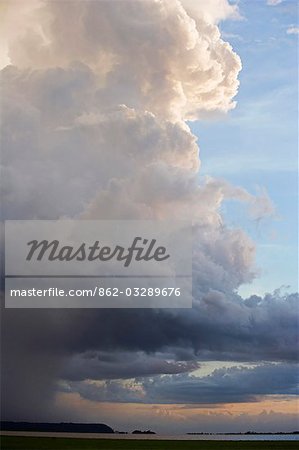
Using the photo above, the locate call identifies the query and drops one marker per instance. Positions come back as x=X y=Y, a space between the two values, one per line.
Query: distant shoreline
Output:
x=247 y=433
x=72 y=428
x=152 y=437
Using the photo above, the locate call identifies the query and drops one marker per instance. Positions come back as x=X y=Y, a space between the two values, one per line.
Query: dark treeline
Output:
x=56 y=427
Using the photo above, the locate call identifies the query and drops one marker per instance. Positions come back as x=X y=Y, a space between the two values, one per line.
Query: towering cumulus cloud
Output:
x=95 y=110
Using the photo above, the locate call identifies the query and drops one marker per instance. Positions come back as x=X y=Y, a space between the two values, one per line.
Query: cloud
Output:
x=94 y=126
x=179 y=419
x=212 y=11
x=293 y=30
x=274 y=2
x=101 y=365
x=42 y=347
x=234 y=385
x=149 y=55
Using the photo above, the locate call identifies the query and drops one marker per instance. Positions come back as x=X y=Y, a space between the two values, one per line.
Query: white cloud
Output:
x=274 y=2
x=180 y=65
x=213 y=11
x=105 y=111
x=293 y=30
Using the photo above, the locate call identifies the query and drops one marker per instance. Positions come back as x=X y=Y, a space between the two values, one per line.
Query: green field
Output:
x=46 y=443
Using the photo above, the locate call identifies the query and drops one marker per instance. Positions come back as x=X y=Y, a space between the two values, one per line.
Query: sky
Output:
x=260 y=136
x=159 y=110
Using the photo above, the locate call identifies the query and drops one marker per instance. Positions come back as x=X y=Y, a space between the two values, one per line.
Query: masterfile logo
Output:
x=98 y=264
x=144 y=251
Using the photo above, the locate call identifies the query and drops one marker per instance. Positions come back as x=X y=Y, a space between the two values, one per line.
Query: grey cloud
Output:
x=222 y=386
x=43 y=346
x=100 y=365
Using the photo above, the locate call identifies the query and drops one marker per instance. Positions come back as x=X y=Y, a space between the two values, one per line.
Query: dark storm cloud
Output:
x=43 y=346
x=217 y=327
x=222 y=386
x=99 y=365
